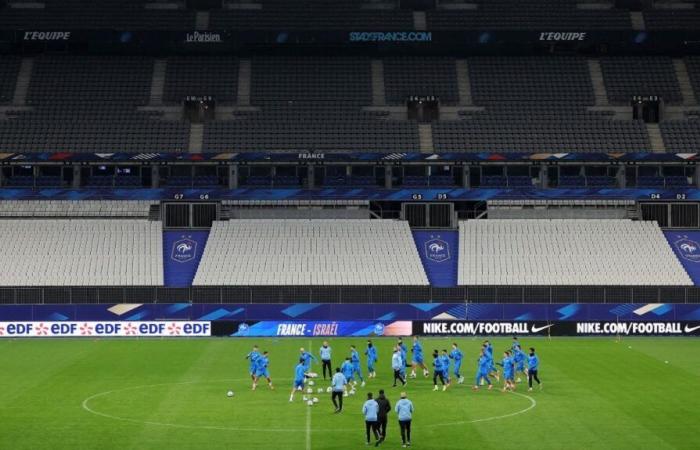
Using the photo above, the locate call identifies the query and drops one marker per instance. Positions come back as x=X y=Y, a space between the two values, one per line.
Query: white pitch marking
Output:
x=533 y=403
x=308 y=429
x=308 y=418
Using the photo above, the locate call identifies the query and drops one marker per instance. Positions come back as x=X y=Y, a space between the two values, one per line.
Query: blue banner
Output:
x=182 y=252
x=370 y=313
x=323 y=328
x=348 y=193
x=439 y=253
x=686 y=246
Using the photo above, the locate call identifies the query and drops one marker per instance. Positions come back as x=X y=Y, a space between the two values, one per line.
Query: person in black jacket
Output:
x=384 y=409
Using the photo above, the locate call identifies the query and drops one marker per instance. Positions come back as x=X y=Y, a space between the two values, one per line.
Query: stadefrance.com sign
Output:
x=105 y=329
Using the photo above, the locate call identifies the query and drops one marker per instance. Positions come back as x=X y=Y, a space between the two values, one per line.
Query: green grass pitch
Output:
x=171 y=394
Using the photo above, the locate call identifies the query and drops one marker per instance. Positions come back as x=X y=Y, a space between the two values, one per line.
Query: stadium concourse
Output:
x=324 y=224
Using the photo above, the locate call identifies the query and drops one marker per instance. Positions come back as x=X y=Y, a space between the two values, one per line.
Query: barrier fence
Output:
x=349 y=294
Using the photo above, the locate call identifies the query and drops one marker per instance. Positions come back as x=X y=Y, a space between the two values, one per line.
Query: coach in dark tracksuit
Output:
x=384 y=409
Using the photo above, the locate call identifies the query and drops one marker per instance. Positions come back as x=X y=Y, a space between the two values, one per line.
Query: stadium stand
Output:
x=681 y=135
x=670 y=19
x=87 y=252
x=311 y=103
x=536 y=104
x=74 y=98
x=404 y=77
x=312 y=15
x=528 y=14
x=626 y=77
x=89 y=14
x=9 y=67
x=566 y=252
x=310 y=252
x=201 y=75
x=75 y=208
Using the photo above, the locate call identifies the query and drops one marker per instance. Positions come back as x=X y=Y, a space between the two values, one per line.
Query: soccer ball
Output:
x=305 y=398
x=310 y=403
x=311 y=383
x=329 y=389
x=345 y=394
x=319 y=390
x=311 y=374
x=352 y=391
x=309 y=391
x=229 y=394
x=315 y=400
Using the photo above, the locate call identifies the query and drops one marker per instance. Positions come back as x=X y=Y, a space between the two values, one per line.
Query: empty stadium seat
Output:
x=566 y=252
x=310 y=252
x=73 y=252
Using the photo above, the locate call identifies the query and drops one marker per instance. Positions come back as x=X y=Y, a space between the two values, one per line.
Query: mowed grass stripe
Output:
x=598 y=395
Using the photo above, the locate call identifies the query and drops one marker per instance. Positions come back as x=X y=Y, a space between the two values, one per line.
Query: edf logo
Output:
x=184 y=250
x=437 y=250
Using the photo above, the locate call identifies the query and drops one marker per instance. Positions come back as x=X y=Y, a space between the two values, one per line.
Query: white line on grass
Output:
x=308 y=417
x=307 y=429
x=533 y=403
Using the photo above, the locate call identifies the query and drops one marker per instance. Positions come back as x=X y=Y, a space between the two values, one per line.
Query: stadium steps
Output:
x=158 y=82
x=201 y=21
x=637 y=19
x=594 y=6
x=378 y=91
x=243 y=90
x=419 y=21
x=655 y=138
x=599 y=91
x=463 y=83
x=196 y=137
x=684 y=82
x=633 y=212
x=24 y=77
x=425 y=138
x=154 y=212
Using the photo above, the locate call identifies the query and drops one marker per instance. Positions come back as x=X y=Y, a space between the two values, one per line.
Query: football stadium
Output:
x=333 y=224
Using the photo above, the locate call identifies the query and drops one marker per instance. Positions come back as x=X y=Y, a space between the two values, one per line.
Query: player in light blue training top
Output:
x=519 y=361
x=404 y=410
x=489 y=354
x=325 y=353
x=508 y=371
x=299 y=377
x=482 y=371
x=446 y=366
x=307 y=357
x=418 y=358
x=338 y=384
x=404 y=352
x=355 y=360
x=371 y=353
x=348 y=370
x=261 y=370
x=251 y=357
x=457 y=355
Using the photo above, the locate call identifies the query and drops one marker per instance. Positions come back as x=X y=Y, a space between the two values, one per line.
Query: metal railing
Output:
x=348 y=294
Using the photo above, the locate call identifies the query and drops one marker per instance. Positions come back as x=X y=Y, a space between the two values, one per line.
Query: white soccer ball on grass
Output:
x=310 y=403
x=309 y=391
x=229 y=394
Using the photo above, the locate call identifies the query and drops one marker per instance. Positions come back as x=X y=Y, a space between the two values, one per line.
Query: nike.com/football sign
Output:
x=559 y=328
x=458 y=327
